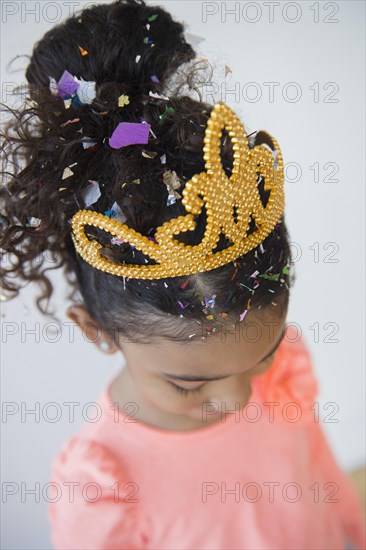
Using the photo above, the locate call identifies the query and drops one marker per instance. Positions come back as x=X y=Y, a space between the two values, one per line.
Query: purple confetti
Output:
x=155 y=79
x=181 y=305
x=66 y=85
x=129 y=133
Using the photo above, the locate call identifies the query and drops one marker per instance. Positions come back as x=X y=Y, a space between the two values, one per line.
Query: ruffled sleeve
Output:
x=94 y=504
x=290 y=382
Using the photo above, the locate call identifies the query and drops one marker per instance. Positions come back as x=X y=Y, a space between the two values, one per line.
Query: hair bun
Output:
x=136 y=46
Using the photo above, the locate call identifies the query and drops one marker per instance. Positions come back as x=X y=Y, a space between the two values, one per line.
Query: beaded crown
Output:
x=219 y=194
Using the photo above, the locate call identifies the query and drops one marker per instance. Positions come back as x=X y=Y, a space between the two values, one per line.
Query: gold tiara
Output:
x=219 y=194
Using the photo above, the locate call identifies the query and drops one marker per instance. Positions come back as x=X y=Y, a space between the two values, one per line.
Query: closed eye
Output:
x=184 y=391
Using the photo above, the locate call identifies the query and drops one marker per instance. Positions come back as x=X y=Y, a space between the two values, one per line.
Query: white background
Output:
x=303 y=44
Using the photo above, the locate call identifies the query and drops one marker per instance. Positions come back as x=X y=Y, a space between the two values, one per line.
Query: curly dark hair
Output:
x=45 y=135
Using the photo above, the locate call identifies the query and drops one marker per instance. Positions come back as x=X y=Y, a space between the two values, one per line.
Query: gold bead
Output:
x=212 y=189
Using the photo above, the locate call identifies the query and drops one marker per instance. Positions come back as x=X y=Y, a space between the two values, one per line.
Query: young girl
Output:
x=169 y=223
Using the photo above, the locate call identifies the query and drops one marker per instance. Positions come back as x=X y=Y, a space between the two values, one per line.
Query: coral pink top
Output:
x=263 y=479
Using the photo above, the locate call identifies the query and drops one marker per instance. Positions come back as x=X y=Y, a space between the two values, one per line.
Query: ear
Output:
x=91 y=330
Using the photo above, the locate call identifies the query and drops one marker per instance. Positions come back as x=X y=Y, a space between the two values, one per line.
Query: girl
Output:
x=208 y=437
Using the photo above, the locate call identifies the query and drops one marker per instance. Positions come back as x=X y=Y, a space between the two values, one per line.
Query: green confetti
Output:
x=274 y=277
x=286 y=271
x=152 y=18
x=169 y=111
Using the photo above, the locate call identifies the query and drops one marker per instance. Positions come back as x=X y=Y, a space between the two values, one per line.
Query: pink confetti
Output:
x=242 y=315
x=70 y=122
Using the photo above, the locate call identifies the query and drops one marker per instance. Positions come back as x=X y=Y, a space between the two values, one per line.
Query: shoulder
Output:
x=291 y=377
x=80 y=455
x=94 y=501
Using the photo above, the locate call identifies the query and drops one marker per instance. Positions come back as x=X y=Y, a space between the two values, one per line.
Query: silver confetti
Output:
x=91 y=193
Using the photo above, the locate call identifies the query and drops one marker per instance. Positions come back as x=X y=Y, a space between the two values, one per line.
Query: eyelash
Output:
x=183 y=391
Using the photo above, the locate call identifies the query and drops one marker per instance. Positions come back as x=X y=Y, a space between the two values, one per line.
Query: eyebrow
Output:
x=198 y=378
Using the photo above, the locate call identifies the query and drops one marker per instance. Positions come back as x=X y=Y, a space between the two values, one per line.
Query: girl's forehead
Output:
x=221 y=354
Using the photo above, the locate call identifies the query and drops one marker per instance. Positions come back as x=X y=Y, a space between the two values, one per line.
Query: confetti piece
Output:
x=286 y=271
x=152 y=133
x=191 y=335
x=53 y=86
x=166 y=284
x=70 y=122
x=67 y=173
x=117 y=213
x=152 y=18
x=117 y=240
x=158 y=96
x=138 y=57
x=171 y=179
x=254 y=274
x=33 y=222
x=193 y=39
x=223 y=314
x=181 y=305
x=155 y=79
x=67 y=85
x=67 y=103
x=88 y=144
x=274 y=277
x=227 y=70
x=82 y=51
x=261 y=248
x=234 y=274
x=248 y=305
x=62 y=188
x=147 y=26
x=129 y=133
x=210 y=317
x=91 y=193
x=136 y=181
x=148 y=40
x=270 y=290
x=184 y=284
x=123 y=100
x=172 y=182
x=242 y=315
x=168 y=111
x=210 y=302
x=149 y=154
x=86 y=91
x=163 y=159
